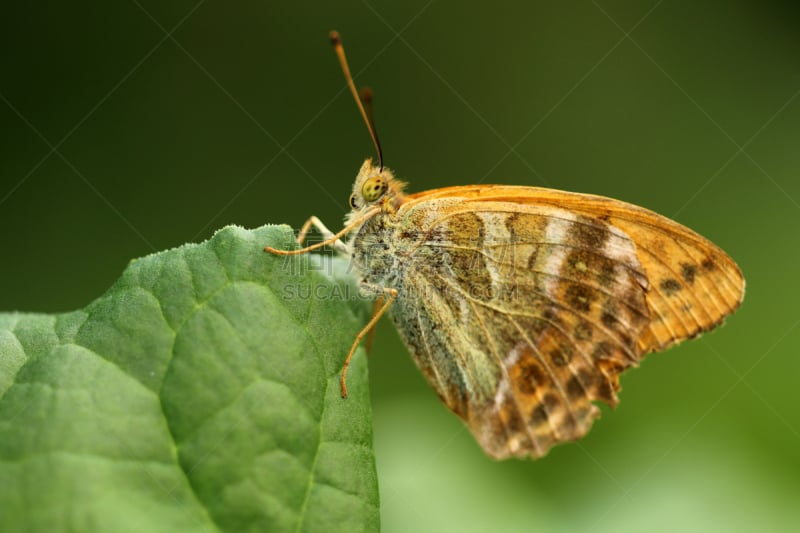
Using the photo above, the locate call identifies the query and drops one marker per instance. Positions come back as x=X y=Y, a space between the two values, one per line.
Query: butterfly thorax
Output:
x=372 y=252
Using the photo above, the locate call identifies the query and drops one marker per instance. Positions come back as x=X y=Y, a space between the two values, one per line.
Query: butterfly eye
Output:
x=374 y=188
x=353 y=201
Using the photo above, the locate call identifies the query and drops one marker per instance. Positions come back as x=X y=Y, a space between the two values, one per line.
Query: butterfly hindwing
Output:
x=520 y=317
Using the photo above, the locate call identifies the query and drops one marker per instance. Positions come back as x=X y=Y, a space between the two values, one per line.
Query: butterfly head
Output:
x=375 y=186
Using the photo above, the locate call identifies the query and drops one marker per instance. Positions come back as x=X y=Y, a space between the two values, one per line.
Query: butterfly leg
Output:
x=390 y=294
x=371 y=334
x=331 y=239
x=327 y=234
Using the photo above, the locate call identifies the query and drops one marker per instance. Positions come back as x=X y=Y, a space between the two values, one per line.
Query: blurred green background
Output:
x=121 y=138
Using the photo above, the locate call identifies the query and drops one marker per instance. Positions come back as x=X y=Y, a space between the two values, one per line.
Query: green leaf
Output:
x=200 y=393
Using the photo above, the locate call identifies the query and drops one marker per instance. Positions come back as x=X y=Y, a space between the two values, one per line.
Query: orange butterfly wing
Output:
x=649 y=283
x=693 y=284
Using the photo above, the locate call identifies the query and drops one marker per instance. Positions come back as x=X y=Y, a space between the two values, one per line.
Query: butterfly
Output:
x=523 y=305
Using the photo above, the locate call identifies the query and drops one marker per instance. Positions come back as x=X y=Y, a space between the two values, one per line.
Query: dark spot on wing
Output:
x=602 y=349
x=551 y=315
x=515 y=423
x=580 y=297
x=575 y=388
x=587 y=233
x=606 y=274
x=578 y=262
x=511 y=226
x=560 y=357
x=539 y=415
x=670 y=286
x=551 y=401
x=531 y=374
x=466 y=229
x=532 y=258
x=688 y=272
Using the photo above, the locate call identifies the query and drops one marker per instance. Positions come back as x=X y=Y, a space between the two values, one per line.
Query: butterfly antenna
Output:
x=366 y=98
x=336 y=41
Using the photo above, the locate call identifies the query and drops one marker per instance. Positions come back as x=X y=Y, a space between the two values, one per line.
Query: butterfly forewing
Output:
x=693 y=283
x=522 y=305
